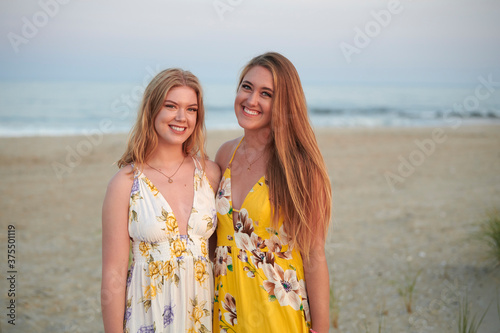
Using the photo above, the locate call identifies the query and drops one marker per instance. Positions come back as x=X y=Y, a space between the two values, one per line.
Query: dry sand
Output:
x=381 y=233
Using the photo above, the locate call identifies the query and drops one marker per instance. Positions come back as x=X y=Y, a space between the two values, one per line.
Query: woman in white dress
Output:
x=161 y=205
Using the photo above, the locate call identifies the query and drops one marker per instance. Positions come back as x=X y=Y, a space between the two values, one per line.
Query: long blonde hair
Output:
x=143 y=138
x=299 y=186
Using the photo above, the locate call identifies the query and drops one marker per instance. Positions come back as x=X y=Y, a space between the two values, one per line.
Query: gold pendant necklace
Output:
x=246 y=158
x=170 y=180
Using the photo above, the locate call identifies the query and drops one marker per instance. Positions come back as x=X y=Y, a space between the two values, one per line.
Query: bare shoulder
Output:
x=223 y=155
x=213 y=172
x=121 y=181
x=117 y=198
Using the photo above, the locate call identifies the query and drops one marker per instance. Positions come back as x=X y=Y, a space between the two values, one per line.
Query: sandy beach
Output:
x=406 y=204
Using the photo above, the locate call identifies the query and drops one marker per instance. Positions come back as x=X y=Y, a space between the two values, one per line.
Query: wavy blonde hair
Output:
x=143 y=138
x=299 y=186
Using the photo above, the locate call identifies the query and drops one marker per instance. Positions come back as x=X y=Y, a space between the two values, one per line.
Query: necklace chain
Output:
x=246 y=157
x=170 y=180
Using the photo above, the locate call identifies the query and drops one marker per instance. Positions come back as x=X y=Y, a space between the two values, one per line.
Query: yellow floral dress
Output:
x=170 y=282
x=259 y=277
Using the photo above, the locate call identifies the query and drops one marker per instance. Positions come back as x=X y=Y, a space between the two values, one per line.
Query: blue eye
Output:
x=170 y=106
x=267 y=94
x=193 y=109
x=246 y=87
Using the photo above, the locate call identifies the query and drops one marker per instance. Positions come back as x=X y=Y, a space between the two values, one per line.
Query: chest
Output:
x=242 y=185
x=177 y=196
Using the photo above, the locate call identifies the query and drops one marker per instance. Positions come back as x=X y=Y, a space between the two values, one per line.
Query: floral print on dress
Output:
x=178 y=247
x=197 y=313
x=245 y=237
x=305 y=302
x=283 y=285
x=169 y=269
x=151 y=186
x=259 y=276
x=168 y=315
x=229 y=304
x=170 y=221
x=223 y=196
x=200 y=271
x=223 y=261
x=230 y=318
x=147 y=329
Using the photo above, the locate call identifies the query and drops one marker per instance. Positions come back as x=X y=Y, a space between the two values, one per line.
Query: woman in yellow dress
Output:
x=273 y=208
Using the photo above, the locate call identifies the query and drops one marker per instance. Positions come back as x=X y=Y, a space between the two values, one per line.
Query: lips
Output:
x=250 y=112
x=177 y=128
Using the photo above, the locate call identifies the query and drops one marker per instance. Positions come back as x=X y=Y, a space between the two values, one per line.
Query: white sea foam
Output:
x=69 y=108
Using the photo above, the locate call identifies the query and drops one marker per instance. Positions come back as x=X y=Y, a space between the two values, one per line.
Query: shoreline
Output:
x=443 y=124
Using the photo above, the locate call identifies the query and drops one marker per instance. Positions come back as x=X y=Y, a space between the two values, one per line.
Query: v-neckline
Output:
x=231 y=182
x=246 y=196
x=171 y=209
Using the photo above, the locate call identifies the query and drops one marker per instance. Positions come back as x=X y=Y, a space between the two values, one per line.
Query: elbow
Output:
x=316 y=259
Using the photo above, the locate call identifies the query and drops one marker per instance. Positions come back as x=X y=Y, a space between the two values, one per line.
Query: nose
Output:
x=181 y=114
x=252 y=99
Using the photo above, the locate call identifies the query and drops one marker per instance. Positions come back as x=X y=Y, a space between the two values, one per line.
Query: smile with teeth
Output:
x=177 y=129
x=250 y=112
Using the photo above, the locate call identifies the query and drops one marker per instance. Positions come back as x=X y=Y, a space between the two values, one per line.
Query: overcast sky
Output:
x=426 y=41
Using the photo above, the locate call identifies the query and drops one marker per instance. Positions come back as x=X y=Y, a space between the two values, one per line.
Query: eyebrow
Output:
x=169 y=101
x=250 y=83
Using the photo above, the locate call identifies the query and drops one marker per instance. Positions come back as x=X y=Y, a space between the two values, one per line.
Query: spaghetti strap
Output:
x=197 y=164
x=234 y=152
x=135 y=170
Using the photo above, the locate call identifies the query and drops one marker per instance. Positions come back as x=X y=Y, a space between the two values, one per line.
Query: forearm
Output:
x=318 y=292
x=113 y=299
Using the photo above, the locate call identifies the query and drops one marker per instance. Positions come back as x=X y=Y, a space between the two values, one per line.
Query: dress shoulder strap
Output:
x=197 y=163
x=234 y=152
x=135 y=170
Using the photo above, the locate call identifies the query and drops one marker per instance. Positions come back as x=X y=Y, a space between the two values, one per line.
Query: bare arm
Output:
x=318 y=287
x=115 y=250
x=214 y=175
x=316 y=272
x=222 y=158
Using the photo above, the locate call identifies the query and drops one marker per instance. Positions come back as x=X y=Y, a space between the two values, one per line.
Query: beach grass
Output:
x=407 y=289
x=467 y=321
x=334 y=307
x=382 y=313
x=490 y=234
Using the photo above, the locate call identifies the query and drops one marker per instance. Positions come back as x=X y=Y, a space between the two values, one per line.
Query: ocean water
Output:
x=66 y=108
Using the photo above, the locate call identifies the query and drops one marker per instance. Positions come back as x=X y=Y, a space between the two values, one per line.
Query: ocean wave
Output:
x=403 y=113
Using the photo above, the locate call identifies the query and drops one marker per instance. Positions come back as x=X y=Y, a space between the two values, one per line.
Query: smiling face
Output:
x=176 y=120
x=253 y=103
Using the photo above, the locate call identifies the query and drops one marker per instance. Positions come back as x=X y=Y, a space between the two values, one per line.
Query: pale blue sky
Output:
x=426 y=41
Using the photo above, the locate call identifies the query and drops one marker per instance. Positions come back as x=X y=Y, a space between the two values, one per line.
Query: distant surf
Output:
x=73 y=108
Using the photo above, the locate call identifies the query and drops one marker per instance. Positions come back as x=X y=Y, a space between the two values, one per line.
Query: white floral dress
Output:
x=170 y=281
